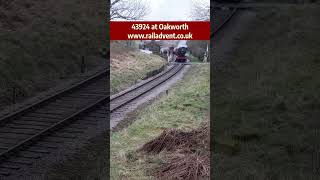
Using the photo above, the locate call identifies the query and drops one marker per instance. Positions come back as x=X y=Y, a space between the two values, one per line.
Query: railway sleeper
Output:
x=4 y=148
x=57 y=110
x=103 y=114
x=84 y=96
x=5 y=172
x=71 y=131
x=96 y=91
x=53 y=112
x=43 y=115
x=41 y=119
x=73 y=97
x=77 y=127
x=29 y=123
x=28 y=157
x=25 y=127
x=61 y=105
x=73 y=102
x=16 y=160
x=35 y=121
x=7 y=166
x=93 y=115
x=45 y=146
x=17 y=131
x=101 y=111
x=51 y=140
x=37 y=151
x=20 y=133
x=83 y=122
x=11 y=138
x=91 y=119
x=5 y=144
x=62 y=136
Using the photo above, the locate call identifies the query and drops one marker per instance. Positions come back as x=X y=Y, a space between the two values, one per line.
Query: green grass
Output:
x=185 y=107
x=266 y=104
x=194 y=59
x=41 y=42
x=130 y=65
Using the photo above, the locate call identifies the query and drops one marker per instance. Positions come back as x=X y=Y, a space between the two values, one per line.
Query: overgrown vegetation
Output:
x=266 y=100
x=42 y=41
x=129 y=65
x=186 y=154
x=184 y=108
x=197 y=49
x=193 y=58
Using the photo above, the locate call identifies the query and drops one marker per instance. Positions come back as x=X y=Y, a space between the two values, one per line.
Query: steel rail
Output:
x=114 y=97
x=50 y=98
x=179 y=68
x=52 y=128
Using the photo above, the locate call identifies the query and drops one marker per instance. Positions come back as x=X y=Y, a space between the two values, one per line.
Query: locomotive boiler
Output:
x=180 y=54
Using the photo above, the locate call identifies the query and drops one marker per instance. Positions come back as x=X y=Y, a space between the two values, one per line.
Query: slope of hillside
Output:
x=42 y=41
x=129 y=65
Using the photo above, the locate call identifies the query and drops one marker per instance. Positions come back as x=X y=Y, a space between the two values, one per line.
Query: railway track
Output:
x=39 y=129
x=130 y=95
x=22 y=133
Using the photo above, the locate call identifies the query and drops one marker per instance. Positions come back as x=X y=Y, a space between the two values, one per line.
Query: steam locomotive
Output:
x=180 y=54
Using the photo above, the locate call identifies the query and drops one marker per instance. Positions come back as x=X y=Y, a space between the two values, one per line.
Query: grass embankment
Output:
x=185 y=107
x=194 y=59
x=129 y=65
x=43 y=41
x=266 y=101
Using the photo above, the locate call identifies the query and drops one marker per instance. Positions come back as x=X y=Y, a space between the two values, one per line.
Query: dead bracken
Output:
x=185 y=166
x=188 y=153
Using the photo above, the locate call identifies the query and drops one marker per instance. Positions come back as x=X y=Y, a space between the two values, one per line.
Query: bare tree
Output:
x=128 y=9
x=200 y=10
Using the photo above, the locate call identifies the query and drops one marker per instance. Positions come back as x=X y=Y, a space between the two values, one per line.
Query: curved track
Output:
x=43 y=127
x=126 y=97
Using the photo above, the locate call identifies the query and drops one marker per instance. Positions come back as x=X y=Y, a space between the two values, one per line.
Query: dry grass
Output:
x=179 y=140
x=186 y=153
x=129 y=65
x=185 y=166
